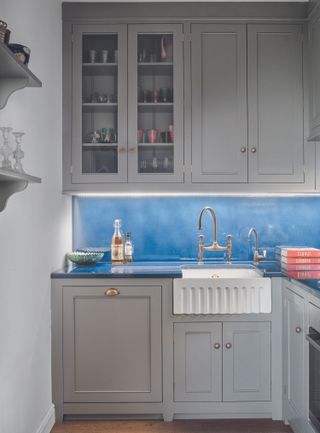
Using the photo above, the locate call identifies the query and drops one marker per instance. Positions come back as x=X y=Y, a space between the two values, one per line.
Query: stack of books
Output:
x=299 y=262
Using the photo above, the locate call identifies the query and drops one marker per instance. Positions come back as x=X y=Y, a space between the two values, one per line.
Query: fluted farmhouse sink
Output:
x=221 y=291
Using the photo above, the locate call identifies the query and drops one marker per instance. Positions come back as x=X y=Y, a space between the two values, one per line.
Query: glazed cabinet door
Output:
x=219 y=103
x=314 y=78
x=294 y=359
x=275 y=103
x=197 y=361
x=155 y=107
x=99 y=104
x=112 y=344
x=246 y=361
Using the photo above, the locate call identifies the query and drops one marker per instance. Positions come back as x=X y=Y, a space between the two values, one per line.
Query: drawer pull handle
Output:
x=228 y=346
x=253 y=150
x=298 y=329
x=243 y=149
x=112 y=292
x=216 y=345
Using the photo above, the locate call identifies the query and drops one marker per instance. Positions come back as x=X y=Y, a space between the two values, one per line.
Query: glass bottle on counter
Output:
x=128 y=248
x=117 y=244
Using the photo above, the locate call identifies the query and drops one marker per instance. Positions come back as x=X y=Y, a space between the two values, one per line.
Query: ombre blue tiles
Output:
x=166 y=228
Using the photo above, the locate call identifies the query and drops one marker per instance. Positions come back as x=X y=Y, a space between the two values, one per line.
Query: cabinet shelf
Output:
x=100 y=68
x=99 y=107
x=14 y=75
x=155 y=144
x=12 y=182
x=160 y=107
x=158 y=68
x=99 y=144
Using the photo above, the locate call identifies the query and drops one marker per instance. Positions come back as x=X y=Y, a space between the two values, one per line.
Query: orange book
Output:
x=303 y=267
x=299 y=260
x=298 y=252
x=303 y=275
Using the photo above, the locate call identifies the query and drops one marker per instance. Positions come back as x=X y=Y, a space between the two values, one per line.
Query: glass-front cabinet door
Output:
x=99 y=120
x=155 y=103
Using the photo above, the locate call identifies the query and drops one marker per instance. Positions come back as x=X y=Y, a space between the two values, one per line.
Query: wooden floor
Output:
x=212 y=426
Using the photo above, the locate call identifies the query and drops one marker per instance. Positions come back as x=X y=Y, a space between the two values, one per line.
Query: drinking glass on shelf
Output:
x=92 y=56
x=5 y=149
x=18 y=154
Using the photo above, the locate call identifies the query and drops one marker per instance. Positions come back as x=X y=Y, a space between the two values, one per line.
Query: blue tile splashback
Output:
x=165 y=228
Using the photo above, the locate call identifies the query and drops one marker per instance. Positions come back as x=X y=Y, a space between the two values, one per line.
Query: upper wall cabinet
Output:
x=275 y=103
x=314 y=76
x=271 y=148
x=219 y=118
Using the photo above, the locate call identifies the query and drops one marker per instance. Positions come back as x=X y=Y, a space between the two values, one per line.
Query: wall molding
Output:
x=48 y=421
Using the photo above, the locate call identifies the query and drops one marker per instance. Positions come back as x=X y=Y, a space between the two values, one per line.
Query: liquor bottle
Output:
x=128 y=248
x=117 y=244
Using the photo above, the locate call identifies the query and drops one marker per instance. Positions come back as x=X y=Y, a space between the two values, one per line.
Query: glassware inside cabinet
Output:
x=100 y=103
x=155 y=101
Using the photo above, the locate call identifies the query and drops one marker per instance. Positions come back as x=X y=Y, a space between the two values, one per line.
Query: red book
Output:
x=299 y=260
x=303 y=275
x=299 y=252
x=303 y=267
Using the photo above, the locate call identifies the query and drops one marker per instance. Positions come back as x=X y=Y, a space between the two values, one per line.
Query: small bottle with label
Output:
x=128 y=248
x=117 y=244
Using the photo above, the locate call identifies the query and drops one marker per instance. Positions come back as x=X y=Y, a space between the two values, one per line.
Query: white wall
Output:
x=35 y=227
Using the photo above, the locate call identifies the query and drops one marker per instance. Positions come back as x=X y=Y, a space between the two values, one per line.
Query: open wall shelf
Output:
x=14 y=75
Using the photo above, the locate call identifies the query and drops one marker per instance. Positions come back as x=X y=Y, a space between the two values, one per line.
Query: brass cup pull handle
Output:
x=243 y=149
x=112 y=292
x=122 y=150
x=132 y=150
x=216 y=345
x=298 y=329
x=253 y=150
x=228 y=345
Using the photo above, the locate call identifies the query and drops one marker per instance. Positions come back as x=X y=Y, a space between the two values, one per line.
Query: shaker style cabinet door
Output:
x=155 y=105
x=99 y=104
x=275 y=103
x=247 y=361
x=294 y=359
x=112 y=344
x=314 y=78
x=219 y=103
x=197 y=361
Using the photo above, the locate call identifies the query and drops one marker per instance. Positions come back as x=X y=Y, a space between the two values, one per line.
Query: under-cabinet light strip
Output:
x=190 y=194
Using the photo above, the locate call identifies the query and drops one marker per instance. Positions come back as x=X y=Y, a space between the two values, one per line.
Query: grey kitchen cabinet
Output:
x=314 y=76
x=197 y=361
x=229 y=361
x=275 y=103
x=219 y=119
x=294 y=358
x=112 y=344
x=98 y=129
x=155 y=103
x=268 y=145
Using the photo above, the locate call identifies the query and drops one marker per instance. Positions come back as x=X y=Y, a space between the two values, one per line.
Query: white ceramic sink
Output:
x=220 y=273
x=221 y=291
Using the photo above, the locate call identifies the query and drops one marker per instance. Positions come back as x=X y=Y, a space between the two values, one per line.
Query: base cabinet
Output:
x=227 y=362
x=112 y=344
x=294 y=359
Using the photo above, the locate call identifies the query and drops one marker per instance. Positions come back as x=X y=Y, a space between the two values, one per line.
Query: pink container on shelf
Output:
x=140 y=135
x=153 y=135
x=171 y=130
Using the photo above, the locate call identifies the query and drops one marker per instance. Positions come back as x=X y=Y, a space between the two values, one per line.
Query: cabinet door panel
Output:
x=314 y=64
x=275 y=103
x=197 y=364
x=219 y=122
x=99 y=106
x=294 y=350
x=112 y=344
x=246 y=373
x=155 y=92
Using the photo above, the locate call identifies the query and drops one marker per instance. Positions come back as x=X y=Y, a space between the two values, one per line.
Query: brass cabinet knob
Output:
x=112 y=292
x=243 y=149
x=253 y=150
x=216 y=345
x=298 y=329
x=132 y=150
x=122 y=149
x=228 y=345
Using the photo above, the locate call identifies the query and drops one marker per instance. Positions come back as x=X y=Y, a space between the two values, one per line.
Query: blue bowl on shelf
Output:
x=22 y=52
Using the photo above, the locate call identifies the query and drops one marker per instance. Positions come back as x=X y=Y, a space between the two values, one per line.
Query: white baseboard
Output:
x=47 y=422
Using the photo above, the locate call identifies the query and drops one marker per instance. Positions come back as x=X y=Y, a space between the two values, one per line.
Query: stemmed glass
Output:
x=5 y=149
x=18 y=154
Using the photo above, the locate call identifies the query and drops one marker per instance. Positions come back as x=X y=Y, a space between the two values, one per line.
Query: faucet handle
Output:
x=229 y=248
x=201 y=249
